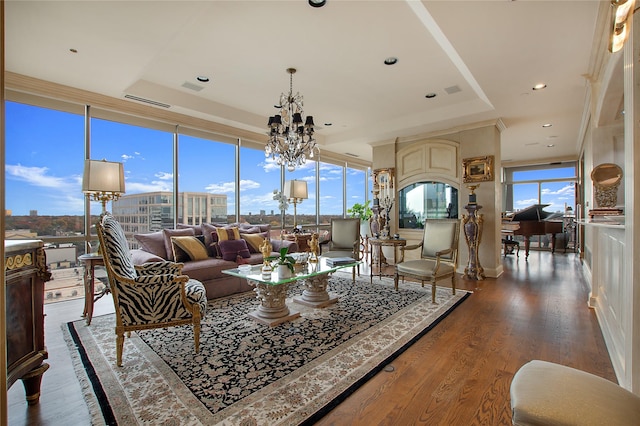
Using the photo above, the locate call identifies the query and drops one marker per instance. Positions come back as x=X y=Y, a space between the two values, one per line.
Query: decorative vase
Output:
x=266 y=271
x=283 y=272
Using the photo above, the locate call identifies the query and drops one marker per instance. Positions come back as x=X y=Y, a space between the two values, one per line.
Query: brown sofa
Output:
x=159 y=246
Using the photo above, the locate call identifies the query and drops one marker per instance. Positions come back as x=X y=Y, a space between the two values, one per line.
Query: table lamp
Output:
x=295 y=191
x=103 y=181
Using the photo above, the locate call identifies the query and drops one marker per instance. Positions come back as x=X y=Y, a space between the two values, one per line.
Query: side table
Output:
x=301 y=238
x=376 y=255
x=90 y=296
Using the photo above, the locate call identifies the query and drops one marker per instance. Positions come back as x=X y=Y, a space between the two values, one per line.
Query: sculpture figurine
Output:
x=266 y=248
x=314 y=248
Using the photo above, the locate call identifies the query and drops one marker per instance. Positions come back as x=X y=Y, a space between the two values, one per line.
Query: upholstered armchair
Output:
x=438 y=255
x=147 y=296
x=545 y=393
x=344 y=240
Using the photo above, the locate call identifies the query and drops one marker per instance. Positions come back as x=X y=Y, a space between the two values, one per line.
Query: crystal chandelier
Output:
x=290 y=142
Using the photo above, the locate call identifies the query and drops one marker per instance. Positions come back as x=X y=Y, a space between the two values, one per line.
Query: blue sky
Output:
x=44 y=165
x=45 y=152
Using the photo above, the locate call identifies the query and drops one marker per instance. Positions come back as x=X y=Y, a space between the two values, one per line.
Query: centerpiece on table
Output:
x=284 y=264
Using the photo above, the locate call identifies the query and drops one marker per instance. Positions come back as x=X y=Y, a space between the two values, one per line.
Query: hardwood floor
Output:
x=458 y=374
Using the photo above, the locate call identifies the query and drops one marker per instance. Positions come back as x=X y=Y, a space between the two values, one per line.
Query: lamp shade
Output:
x=296 y=189
x=103 y=176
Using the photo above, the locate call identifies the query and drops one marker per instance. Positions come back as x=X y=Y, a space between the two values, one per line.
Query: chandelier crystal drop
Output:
x=291 y=142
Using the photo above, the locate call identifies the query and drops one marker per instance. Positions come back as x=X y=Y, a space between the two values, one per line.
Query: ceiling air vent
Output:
x=453 y=89
x=192 y=86
x=147 y=101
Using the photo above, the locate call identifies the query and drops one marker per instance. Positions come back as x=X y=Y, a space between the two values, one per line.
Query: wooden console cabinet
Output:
x=25 y=273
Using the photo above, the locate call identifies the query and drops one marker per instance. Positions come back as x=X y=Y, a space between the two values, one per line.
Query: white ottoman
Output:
x=544 y=393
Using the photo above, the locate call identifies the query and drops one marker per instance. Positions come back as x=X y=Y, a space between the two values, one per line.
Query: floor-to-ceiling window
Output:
x=305 y=210
x=331 y=192
x=551 y=185
x=259 y=177
x=48 y=140
x=206 y=180
x=147 y=154
x=43 y=189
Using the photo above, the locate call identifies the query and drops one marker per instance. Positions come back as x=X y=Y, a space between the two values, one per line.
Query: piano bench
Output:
x=511 y=244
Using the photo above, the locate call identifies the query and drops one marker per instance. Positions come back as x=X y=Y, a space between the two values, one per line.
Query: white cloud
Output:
x=38 y=176
x=221 y=188
x=154 y=186
x=164 y=176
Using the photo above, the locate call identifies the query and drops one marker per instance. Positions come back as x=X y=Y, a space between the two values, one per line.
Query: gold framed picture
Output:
x=477 y=169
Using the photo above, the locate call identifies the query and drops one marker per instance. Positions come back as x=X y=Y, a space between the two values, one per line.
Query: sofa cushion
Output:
x=231 y=249
x=152 y=243
x=228 y=233
x=168 y=233
x=139 y=256
x=210 y=239
x=197 y=229
x=188 y=248
x=245 y=227
x=254 y=241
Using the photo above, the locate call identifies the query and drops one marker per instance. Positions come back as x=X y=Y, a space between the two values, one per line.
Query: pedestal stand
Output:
x=472 y=225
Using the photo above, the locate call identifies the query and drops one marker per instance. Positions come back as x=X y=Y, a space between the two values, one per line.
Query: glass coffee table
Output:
x=272 y=292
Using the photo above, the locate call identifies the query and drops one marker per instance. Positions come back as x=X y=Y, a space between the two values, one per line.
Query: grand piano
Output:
x=529 y=221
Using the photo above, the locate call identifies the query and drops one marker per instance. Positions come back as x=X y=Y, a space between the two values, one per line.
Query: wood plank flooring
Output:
x=458 y=374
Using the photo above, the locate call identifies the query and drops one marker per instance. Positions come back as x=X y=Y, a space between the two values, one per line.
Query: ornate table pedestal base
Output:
x=273 y=309
x=315 y=292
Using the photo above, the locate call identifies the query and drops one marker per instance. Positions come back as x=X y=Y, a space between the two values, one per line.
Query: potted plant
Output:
x=285 y=264
x=364 y=212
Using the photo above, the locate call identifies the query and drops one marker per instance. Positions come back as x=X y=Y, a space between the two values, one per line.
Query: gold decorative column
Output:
x=472 y=225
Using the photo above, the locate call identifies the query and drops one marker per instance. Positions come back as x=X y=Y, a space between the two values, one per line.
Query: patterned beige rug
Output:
x=247 y=373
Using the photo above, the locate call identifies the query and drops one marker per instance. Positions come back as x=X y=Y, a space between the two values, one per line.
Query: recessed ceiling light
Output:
x=391 y=61
x=550 y=145
x=202 y=79
x=539 y=86
x=317 y=3
x=430 y=95
x=72 y=50
x=547 y=125
x=328 y=124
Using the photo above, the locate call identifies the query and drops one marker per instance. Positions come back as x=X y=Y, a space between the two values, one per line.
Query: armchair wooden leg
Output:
x=433 y=292
x=119 y=347
x=395 y=281
x=453 y=284
x=196 y=326
x=196 y=336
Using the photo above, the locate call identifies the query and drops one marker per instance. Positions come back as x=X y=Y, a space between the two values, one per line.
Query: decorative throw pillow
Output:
x=152 y=243
x=228 y=233
x=188 y=248
x=231 y=249
x=254 y=241
x=168 y=233
x=210 y=239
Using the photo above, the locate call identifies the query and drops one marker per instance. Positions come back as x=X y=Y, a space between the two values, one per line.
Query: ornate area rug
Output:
x=247 y=373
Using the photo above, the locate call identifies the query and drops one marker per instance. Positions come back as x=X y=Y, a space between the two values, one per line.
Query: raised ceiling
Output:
x=480 y=58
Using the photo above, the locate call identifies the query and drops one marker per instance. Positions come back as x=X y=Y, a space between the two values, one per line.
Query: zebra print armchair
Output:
x=153 y=295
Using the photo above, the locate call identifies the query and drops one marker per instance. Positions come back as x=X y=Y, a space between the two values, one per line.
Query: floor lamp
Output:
x=103 y=181
x=295 y=191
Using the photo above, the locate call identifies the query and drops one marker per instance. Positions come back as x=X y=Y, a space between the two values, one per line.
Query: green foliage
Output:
x=363 y=211
x=283 y=259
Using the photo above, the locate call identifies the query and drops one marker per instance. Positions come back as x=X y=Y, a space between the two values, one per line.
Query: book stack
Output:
x=601 y=213
x=337 y=261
